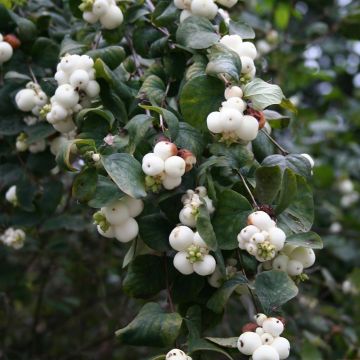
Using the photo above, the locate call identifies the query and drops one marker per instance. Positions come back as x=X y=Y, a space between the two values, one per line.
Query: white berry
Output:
x=261 y=220
x=170 y=182
x=260 y=318
x=206 y=266
x=265 y=352
x=273 y=326
x=187 y=217
x=152 y=164
x=233 y=91
x=66 y=96
x=109 y=233
x=135 y=206
x=117 y=213
x=214 y=122
x=282 y=346
x=248 y=128
x=305 y=255
x=112 y=18
x=280 y=262
x=181 y=238
x=175 y=166
x=248 y=342
x=165 y=149
x=294 y=268
x=277 y=238
x=182 y=264
x=6 y=52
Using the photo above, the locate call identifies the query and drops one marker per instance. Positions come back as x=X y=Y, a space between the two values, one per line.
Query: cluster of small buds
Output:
x=203 y=8
x=166 y=165
x=193 y=253
x=77 y=86
x=14 y=238
x=293 y=260
x=177 y=354
x=11 y=196
x=105 y=11
x=6 y=50
x=192 y=200
x=35 y=147
x=231 y=122
x=32 y=98
x=349 y=195
x=265 y=343
x=246 y=51
x=261 y=238
x=117 y=220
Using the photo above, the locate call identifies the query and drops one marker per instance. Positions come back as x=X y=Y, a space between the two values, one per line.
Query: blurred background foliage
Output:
x=61 y=295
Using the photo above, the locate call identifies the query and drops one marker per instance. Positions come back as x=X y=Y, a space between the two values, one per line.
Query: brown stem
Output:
x=283 y=151
x=247 y=188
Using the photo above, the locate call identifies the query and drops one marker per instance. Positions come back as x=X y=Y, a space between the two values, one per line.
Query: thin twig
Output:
x=96 y=41
x=247 y=188
x=283 y=151
x=224 y=79
x=32 y=74
x=170 y=302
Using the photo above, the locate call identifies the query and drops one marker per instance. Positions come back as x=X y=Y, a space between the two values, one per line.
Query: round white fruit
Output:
x=79 y=79
x=273 y=326
x=205 y=8
x=248 y=128
x=247 y=232
x=214 y=122
x=261 y=220
x=280 y=262
x=247 y=65
x=66 y=96
x=248 y=342
x=92 y=88
x=135 y=206
x=90 y=17
x=187 y=217
x=265 y=352
x=267 y=339
x=248 y=49
x=305 y=255
x=233 y=91
x=260 y=318
x=176 y=354
x=257 y=238
x=175 y=166
x=112 y=18
x=25 y=99
x=235 y=103
x=116 y=213
x=184 y=15
x=170 y=182
x=6 y=52
x=57 y=113
x=64 y=126
x=282 y=346
x=277 y=238
x=100 y=7
x=199 y=241
x=231 y=119
x=127 y=231
x=165 y=149
x=227 y=3
x=181 y=238
x=109 y=233
x=182 y=264
x=231 y=41
x=152 y=164
x=294 y=268
x=206 y=266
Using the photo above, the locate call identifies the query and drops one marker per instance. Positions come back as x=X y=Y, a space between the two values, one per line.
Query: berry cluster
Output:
x=192 y=200
x=6 y=50
x=10 y=195
x=14 y=238
x=166 y=165
x=32 y=98
x=294 y=259
x=265 y=342
x=261 y=238
x=193 y=253
x=77 y=87
x=230 y=120
x=117 y=220
x=176 y=354
x=105 y=11
x=245 y=50
x=35 y=147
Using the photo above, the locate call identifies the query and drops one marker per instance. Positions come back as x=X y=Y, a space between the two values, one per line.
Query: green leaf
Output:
x=241 y=29
x=127 y=174
x=84 y=184
x=105 y=193
x=223 y=61
x=203 y=93
x=308 y=239
x=51 y=196
x=276 y=120
x=25 y=193
x=218 y=300
x=197 y=68
x=274 y=288
x=139 y=282
x=310 y=351
x=154 y=231
x=65 y=221
x=92 y=113
x=230 y=217
x=268 y=183
x=46 y=46
x=282 y=15
x=11 y=125
x=103 y=71
x=26 y=29
x=196 y=33
x=288 y=191
x=224 y=342
x=262 y=94
x=112 y=56
x=70 y=46
x=288 y=105
x=151 y=327
x=190 y=138
x=203 y=345
x=153 y=89
x=205 y=228
x=38 y=132
x=137 y=128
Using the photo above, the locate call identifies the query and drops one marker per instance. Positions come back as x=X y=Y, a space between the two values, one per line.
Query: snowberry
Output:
x=259 y=330
x=235 y=103
x=205 y=8
x=251 y=248
x=180 y=4
x=199 y=241
x=282 y=346
x=257 y=238
x=64 y=126
x=61 y=77
x=57 y=113
x=294 y=268
x=135 y=206
x=175 y=166
x=25 y=99
x=10 y=195
x=187 y=217
x=206 y=266
x=92 y=88
x=100 y=7
x=248 y=342
x=127 y=231
x=288 y=249
x=261 y=220
x=247 y=232
x=248 y=128
x=242 y=243
x=346 y=186
x=87 y=62
x=227 y=3
x=214 y=122
x=305 y=255
x=181 y=238
x=37 y=146
x=96 y=157
x=66 y=96
x=152 y=164
x=90 y=17
x=233 y=91
x=182 y=264
x=79 y=78
x=170 y=182
x=246 y=49
x=112 y=18
x=273 y=326
x=267 y=339
x=231 y=41
x=6 y=52
x=165 y=149
x=247 y=65
x=109 y=233
x=176 y=354
x=189 y=158
x=69 y=63
x=280 y=262
x=277 y=238
x=309 y=159
x=184 y=15
x=265 y=352
x=230 y=118
x=116 y=213
x=260 y=318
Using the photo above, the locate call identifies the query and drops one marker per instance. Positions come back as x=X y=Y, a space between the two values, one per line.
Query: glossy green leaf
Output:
x=230 y=342
x=241 y=29
x=308 y=239
x=112 y=56
x=38 y=132
x=46 y=46
x=84 y=184
x=190 y=138
x=288 y=191
x=268 y=183
x=105 y=193
x=205 y=228
x=153 y=89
